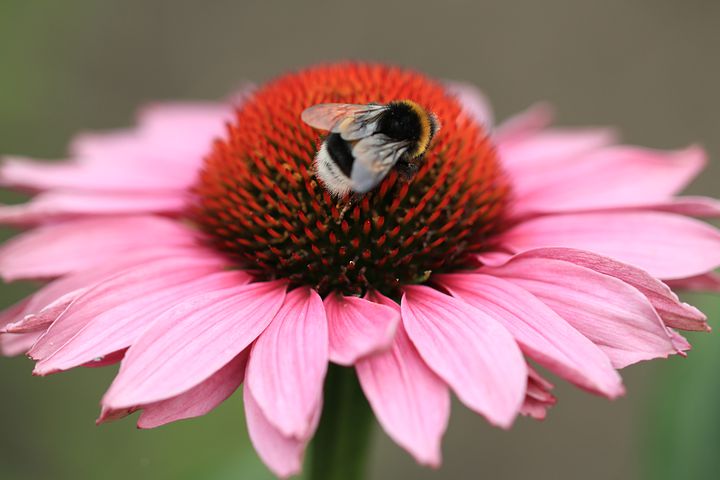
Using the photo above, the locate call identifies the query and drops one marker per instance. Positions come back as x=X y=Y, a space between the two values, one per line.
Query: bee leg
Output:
x=343 y=211
x=407 y=169
x=351 y=200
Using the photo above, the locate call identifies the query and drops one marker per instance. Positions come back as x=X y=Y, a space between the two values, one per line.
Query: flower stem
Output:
x=340 y=446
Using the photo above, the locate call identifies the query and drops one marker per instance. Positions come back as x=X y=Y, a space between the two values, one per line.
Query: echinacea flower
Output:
x=200 y=252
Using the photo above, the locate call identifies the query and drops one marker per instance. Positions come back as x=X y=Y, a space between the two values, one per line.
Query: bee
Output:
x=367 y=141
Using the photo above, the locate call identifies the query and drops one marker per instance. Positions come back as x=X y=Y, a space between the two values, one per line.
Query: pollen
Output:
x=259 y=201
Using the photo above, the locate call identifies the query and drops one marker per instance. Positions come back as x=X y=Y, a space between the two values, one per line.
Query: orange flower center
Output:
x=260 y=202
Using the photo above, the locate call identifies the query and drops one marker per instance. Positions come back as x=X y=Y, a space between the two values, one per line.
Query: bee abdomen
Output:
x=340 y=152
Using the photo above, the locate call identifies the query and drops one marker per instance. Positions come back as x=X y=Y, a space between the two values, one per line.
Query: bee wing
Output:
x=374 y=157
x=351 y=121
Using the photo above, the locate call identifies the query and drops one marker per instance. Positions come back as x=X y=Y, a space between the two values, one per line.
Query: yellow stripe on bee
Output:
x=424 y=140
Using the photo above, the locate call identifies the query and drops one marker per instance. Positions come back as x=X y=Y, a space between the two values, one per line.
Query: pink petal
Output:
x=474 y=103
x=524 y=125
x=691 y=206
x=137 y=152
x=13 y=314
x=611 y=313
x=44 y=306
x=542 y=334
x=673 y=312
x=708 y=282
x=667 y=246
x=111 y=177
x=110 y=415
x=128 y=284
x=538 y=398
x=200 y=399
x=58 y=206
x=176 y=135
x=288 y=363
x=197 y=401
x=538 y=386
x=34 y=322
x=358 y=327
x=12 y=344
x=493 y=258
x=411 y=403
x=192 y=341
x=282 y=454
x=610 y=177
x=107 y=360
x=186 y=129
x=468 y=349
x=115 y=314
x=58 y=249
x=530 y=157
x=702 y=207
x=534 y=408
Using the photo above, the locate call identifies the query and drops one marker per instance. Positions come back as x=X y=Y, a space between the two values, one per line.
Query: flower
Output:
x=202 y=257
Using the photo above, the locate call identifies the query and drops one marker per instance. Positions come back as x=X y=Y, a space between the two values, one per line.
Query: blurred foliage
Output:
x=682 y=436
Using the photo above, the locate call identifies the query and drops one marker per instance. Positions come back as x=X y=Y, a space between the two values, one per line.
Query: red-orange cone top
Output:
x=260 y=202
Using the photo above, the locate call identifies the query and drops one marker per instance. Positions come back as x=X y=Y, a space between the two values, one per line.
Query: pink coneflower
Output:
x=203 y=257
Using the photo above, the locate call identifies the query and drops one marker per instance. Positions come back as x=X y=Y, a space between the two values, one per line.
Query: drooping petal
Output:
x=288 y=363
x=538 y=398
x=12 y=344
x=611 y=313
x=106 y=322
x=542 y=334
x=708 y=282
x=667 y=246
x=66 y=247
x=411 y=403
x=200 y=399
x=45 y=316
x=358 y=327
x=192 y=341
x=673 y=312
x=468 y=349
x=538 y=386
x=610 y=177
x=13 y=314
x=282 y=454
x=110 y=415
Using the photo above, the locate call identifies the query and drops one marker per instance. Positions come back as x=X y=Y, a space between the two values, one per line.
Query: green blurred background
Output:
x=649 y=67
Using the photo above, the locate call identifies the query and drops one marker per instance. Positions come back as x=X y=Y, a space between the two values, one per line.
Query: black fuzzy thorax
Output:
x=400 y=122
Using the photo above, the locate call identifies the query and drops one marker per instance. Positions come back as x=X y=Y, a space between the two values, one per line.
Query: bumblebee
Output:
x=367 y=141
